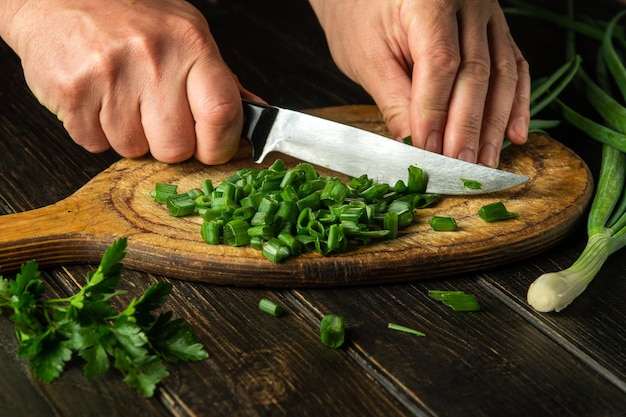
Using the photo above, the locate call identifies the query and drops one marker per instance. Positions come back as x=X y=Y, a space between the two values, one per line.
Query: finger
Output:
x=120 y=118
x=435 y=50
x=386 y=77
x=215 y=103
x=502 y=87
x=167 y=122
x=81 y=119
x=390 y=86
x=467 y=101
x=519 y=121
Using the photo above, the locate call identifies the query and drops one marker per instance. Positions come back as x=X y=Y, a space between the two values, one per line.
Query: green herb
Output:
x=443 y=223
x=53 y=331
x=495 y=212
x=332 y=331
x=404 y=329
x=456 y=300
x=471 y=184
x=163 y=191
x=606 y=222
x=272 y=210
x=270 y=307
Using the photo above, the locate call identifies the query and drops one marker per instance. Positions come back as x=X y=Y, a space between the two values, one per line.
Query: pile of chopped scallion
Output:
x=285 y=212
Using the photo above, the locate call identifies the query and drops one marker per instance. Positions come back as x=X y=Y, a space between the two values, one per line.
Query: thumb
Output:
x=215 y=104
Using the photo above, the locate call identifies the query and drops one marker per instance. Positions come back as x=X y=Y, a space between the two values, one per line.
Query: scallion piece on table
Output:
x=270 y=307
x=495 y=211
x=332 y=331
x=405 y=329
x=443 y=224
x=456 y=300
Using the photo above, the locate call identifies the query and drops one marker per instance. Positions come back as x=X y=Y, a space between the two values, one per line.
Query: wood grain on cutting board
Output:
x=116 y=204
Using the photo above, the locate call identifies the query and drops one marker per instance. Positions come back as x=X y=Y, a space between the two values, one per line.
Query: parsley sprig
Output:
x=137 y=341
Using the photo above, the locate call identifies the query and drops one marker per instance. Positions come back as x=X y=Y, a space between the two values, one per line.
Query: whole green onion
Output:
x=606 y=223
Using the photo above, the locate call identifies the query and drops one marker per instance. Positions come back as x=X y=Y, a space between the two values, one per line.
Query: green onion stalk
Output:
x=606 y=224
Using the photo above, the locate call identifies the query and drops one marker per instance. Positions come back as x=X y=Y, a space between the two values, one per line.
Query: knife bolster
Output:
x=257 y=123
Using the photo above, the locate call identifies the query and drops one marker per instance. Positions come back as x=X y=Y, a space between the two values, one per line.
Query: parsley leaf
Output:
x=53 y=331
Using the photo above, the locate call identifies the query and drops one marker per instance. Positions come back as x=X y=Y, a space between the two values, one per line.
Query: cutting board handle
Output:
x=72 y=230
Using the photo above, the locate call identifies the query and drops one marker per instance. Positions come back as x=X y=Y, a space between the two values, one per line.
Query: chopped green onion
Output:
x=334 y=192
x=289 y=240
x=332 y=331
x=275 y=250
x=163 y=191
x=443 y=223
x=417 y=180
x=425 y=200
x=236 y=233
x=284 y=212
x=495 y=212
x=439 y=295
x=270 y=307
x=405 y=329
x=471 y=184
x=207 y=187
x=212 y=231
x=456 y=300
x=390 y=222
x=181 y=205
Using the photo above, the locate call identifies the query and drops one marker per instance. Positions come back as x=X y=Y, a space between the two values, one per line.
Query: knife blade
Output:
x=354 y=152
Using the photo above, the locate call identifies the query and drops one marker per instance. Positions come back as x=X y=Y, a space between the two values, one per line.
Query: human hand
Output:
x=137 y=76
x=446 y=72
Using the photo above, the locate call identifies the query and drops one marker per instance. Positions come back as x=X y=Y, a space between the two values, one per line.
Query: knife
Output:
x=354 y=152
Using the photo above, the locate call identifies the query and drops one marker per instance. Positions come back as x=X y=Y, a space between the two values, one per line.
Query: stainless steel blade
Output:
x=355 y=152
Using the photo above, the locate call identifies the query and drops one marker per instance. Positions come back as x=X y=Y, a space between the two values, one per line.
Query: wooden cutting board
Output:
x=116 y=204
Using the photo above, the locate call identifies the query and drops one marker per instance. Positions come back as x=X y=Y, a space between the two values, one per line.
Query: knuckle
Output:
x=478 y=69
x=444 y=59
x=507 y=70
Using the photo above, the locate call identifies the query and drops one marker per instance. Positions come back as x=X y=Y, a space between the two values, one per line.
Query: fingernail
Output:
x=467 y=155
x=520 y=127
x=433 y=142
x=488 y=156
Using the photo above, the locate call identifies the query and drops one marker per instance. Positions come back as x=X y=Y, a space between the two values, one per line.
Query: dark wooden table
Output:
x=506 y=360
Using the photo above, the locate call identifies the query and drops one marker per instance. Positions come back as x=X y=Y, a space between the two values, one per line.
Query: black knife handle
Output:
x=257 y=123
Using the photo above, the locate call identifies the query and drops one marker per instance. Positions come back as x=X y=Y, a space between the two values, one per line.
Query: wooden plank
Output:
x=258 y=364
x=591 y=326
x=483 y=363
